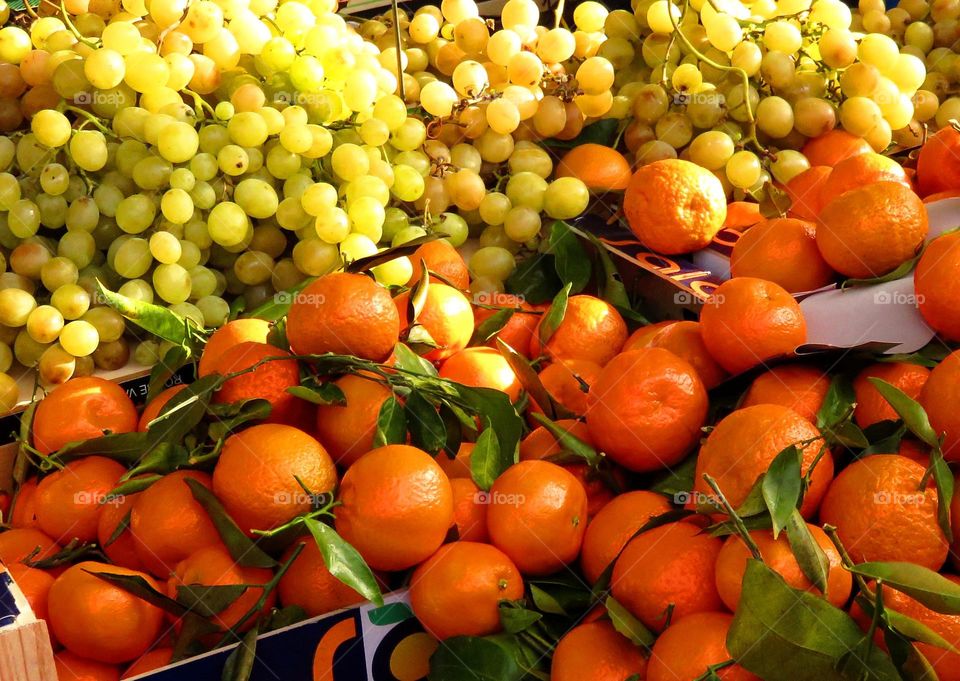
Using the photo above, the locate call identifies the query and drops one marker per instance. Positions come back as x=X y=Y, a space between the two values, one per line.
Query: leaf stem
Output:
x=737 y=520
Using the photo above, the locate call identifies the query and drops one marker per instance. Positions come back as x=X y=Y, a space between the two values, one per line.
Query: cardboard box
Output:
x=881 y=317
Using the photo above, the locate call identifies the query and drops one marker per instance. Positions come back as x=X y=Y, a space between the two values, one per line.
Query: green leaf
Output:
x=859 y=664
x=405 y=249
x=784 y=634
x=569 y=442
x=127 y=448
x=278 y=305
x=516 y=618
x=572 y=263
x=848 y=434
x=160 y=321
x=453 y=429
x=486 y=460
x=677 y=480
x=427 y=430
x=206 y=600
x=498 y=413
x=911 y=664
x=906 y=626
x=810 y=557
x=943 y=479
x=491 y=326
x=781 y=486
x=173 y=361
x=913 y=415
x=535 y=279
x=391 y=424
x=470 y=658
x=932 y=590
x=241 y=548
x=139 y=587
x=121 y=527
x=229 y=417
x=285 y=617
x=408 y=360
x=418 y=295
x=838 y=402
x=628 y=625
x=239 y=664
x=613 y=290
x=903 y=270
x=754 y=504
x=545 y=602
x=344 y=562
x=553 y=318
x=419 y=339
x=184 y=411
x=528 y=378
x=326 y=394
x=164 y=458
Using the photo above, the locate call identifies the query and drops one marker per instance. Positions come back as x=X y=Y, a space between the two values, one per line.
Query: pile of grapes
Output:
x=204 y=153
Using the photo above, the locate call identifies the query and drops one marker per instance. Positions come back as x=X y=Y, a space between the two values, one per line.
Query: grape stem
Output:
x=559 y=11
x=73 y=29
x=91 y=119
x=200 y=103
x=751 y=137
x=396 y=37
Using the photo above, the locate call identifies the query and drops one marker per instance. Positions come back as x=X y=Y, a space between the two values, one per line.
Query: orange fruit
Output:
x=168 y=524
x=938 y=196
x=69 y=501
x=154 y=406
x=519 y=329
x=256 y=476
x=741 y=215
x=396 y=507
x=871 y=406
x=675 y=206
x=443 y=259
x=80 y=409
x=805 y=192
x=614 y=525
x=72 y=667
x=744 y=443
x=784 y=251
x=446 y=316
x=670 y=564
x=881 y=513
x=598 y=166
x=565 y=382
x=940 y=396
x=934 y=282
x=347 y=314
x=870 y=231
x=595 y=651
x=591 y=329
x=690 y=645
x=641 y=337
x=19 y=544
x=779 y=557
x=747 y=321
x=469 y=515
x=309 y=584
x=121 y=551
x=35 y=585
x=150 y=661
x=685 y=340
x=537 y=515
x=945 y=663
x=540 y=442
x=859 y=171
x=798 y=386
x=232 y=333
x=100 y=620
x=347 y=431
x=459 y=466
x=482 y=368
x=646 y=408
x=938 y=169
x=832 y=147
x=269 y=381
x=24 y=510
x=214 y=566
x=457 y=591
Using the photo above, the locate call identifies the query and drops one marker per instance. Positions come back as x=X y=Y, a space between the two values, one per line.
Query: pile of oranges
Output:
x=644 y=493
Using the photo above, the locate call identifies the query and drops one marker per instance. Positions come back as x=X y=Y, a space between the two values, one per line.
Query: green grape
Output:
x=203 y=195
x=332 y=224
x=315 y=258
x=79 y=338
x=565 y=198
x=357 y=246
x=256 y=197
x=165 y=248
x=26 y=350
x=453 y=227
x=54 y=179
x=494 y=208
x=82 y=214
x=6 y=359
x=227 y=224
x=366 y=216
x=23 y=219
x=394 y=220
x=204 y=282
x=408 y=184
x=9 y=191
x=53 y=210
x=178 y=142
x=176 y=206
x=135 y=213
x=215 y=311
x=253 y=268
x=408 y=234
x=57 y=272
x=233 y=160
x=743 y=169
x=190 y=255
x=396 y=272
x=711 y=149
x=51 y=128
x=79 y=247
x=108 y=198
x=15 y=307
x=137 y=289
x=317 y=197
x=526 y=189
x=521 y=223
x=491 y=261
x=292 y=216
x=55 y=365
x=147 y=353
x=281 y=163
x=109 y=356
x=774 y=117
x=132 y=258
x=44 y=323
x=182 y=178
x=196 y=231
x=172 y=283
